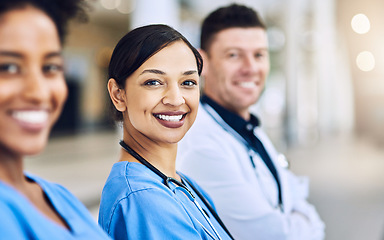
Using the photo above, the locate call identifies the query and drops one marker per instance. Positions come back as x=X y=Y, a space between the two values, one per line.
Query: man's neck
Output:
x=220 y=108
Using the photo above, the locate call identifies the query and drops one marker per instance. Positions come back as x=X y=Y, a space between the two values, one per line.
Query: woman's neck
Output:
x=163 y=156
x=11 y=171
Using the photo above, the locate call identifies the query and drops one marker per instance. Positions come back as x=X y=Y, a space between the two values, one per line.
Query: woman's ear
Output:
x=117 y=95
x=205 y=57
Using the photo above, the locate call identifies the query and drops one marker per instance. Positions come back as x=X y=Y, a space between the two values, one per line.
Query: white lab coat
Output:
x=246 y=198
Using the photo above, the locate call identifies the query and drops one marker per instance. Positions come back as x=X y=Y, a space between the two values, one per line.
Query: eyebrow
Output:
x=156 y=71
x=19 y=55
x=53 y=54
x=264 y=49
x=241 y=49
x=190 y=72
x=10 y=54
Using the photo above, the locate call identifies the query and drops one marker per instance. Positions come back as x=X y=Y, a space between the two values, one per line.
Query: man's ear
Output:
x=204 y=55
x=117 y=95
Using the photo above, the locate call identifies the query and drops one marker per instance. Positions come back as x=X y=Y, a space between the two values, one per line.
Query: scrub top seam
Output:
x=122 y=199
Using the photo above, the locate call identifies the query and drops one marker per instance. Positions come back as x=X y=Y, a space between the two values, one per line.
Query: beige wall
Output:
x=91 y=44
x=368 y=86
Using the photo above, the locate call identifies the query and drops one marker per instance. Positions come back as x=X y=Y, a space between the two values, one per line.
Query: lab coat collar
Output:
x=232 y=119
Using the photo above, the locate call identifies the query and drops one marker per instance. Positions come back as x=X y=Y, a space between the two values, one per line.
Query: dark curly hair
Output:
x=137 y=46
x=60 y=11
x=231 y=16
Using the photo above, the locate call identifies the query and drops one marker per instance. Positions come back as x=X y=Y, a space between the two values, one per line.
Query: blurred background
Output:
x=323 y=105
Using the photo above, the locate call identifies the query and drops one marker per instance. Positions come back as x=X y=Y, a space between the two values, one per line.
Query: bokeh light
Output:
x=365 y=61
x=110 y=4
x=126 y=7
x=360 y=23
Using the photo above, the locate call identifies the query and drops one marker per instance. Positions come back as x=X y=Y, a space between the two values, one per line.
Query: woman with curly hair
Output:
x=32 y=95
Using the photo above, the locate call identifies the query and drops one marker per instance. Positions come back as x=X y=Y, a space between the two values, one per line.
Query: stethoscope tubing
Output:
x=184 y=188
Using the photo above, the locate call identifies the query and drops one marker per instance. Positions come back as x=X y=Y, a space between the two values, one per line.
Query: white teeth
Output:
x=32 y=117
x=247 y=84
x=171 y=118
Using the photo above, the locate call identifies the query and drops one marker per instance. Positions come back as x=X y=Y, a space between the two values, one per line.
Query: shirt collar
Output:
x=232 y=119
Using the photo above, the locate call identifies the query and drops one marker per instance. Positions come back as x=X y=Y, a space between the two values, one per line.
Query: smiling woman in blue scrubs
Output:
x=32 y=94
x=154 y=87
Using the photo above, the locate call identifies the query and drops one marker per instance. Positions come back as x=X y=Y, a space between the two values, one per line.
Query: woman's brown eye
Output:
x=9 y=68
x=189 y=83
x=152 y=83
x=52 y=68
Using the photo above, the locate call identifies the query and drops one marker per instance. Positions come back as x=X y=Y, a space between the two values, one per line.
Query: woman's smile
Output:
x=171 y=119
x=31 y=120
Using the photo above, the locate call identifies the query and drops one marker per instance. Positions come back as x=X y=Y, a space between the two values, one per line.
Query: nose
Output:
x=250 y=64
x=36 y=87
x=173 y=96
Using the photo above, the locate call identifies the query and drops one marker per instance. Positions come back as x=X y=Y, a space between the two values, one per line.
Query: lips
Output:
x=171 y=120
x=31 y=119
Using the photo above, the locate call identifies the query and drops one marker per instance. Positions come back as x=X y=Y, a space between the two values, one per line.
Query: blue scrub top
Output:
x=19 y=219
x=135 y=204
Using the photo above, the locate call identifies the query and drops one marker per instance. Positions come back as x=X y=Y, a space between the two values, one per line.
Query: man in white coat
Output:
x=226 y=151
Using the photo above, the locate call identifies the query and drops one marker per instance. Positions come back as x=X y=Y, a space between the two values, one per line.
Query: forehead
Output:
x=174 y=56
x=242 y=38
x=27 y=28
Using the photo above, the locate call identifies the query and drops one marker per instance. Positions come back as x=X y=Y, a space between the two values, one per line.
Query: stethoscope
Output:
x=181 y=186
x=252 y=154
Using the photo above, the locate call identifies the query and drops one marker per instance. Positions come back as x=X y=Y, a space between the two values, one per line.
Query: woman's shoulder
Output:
x=128 y=177
x=9 y=199
x=131 y=182
x=9 y=194
x=134 y=194
x=23 y=219
x=54 y=190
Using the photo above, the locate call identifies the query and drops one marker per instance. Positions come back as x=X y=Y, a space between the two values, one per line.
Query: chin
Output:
x=33 y=150
x=246 y=103
x=174 y=139
x=30 y=148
